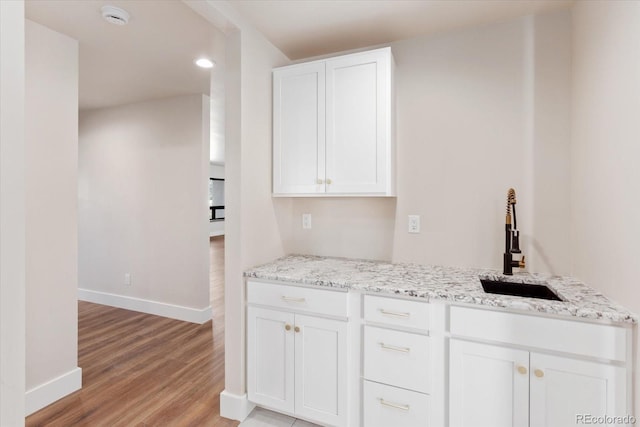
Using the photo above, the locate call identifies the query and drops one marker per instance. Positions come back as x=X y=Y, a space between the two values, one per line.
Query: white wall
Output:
x=52 y=211
x=143 y=188
x=478 y=111
x=605 y=185
x=251 y=214
x=216 y=228
x=217 y=94
x=12 y=213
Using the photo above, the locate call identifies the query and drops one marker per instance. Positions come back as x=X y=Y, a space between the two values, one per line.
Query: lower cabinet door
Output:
x=565 y=391
x=488 y=385
x=387 y=406
x=270 y=358
x=321 y=370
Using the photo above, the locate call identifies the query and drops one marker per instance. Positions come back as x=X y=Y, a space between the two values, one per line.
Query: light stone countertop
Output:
x=452 y=284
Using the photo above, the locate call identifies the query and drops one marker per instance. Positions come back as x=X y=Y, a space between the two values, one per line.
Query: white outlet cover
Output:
x=414 y=224
x=306 y=221
x=127 y=279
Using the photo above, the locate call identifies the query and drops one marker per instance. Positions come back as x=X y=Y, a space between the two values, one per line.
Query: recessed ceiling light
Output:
x=115 y=15
x=205 y=63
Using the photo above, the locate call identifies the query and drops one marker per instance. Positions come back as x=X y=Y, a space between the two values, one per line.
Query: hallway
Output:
x=145 y=370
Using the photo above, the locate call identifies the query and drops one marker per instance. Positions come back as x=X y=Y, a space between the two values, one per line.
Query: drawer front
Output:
x=397 y=358
x=396 y=312
x=319 y=301
x=386 y=406
x=570 y=336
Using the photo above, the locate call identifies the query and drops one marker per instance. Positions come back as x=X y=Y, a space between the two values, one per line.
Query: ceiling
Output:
x=151 y=57
x=302 y=29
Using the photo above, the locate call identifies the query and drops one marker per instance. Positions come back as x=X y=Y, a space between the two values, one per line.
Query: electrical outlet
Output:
x=414 y=223
x=306 y=221
x=127 y=279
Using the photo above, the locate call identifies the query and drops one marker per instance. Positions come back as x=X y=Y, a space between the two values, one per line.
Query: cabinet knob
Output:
x=297 y=329
x=320 y=181
x=287 y=327
x=522 y=370
x=538 y=373
x=328 y=181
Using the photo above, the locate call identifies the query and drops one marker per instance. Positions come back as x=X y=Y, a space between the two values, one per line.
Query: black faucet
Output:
x=512 y=237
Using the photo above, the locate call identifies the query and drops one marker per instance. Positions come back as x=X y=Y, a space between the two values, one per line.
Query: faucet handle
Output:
x=521 y=263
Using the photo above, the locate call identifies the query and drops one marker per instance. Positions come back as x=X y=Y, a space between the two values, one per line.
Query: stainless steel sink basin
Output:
x=528 y=290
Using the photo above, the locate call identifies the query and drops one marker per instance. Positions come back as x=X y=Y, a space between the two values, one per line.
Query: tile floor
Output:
x=262 y=418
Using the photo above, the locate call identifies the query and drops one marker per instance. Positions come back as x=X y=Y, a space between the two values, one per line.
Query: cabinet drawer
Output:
x=570 y=336
x=320 y=301
x=385 y=406
x=396 y=312
x=397 y=358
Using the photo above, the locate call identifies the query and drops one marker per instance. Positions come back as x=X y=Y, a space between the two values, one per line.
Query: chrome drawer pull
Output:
x=394 y=405
x=394 y=348
x=394 y=313
x=291 y=299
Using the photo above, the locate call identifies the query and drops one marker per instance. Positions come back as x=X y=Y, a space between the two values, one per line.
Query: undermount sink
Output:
x=528 y=290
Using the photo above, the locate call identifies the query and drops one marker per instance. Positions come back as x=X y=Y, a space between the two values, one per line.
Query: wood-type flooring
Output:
x=145 y=370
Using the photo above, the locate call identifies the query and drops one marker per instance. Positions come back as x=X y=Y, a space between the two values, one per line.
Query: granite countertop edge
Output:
x=450 y=284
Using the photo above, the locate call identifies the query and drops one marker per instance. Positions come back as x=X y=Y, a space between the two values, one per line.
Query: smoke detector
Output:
x=115 y=15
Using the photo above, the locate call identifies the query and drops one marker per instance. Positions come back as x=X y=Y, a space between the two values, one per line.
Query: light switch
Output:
x=414 y=223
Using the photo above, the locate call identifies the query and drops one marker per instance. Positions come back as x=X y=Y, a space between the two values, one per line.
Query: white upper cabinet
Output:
x=333 y=129
x=299 y=129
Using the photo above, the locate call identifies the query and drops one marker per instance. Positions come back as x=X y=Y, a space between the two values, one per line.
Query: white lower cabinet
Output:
x=489 y=385
x=270 y=358
x=297 y=363
x=387 y=406
x=307 y=349
x=397 y=358
x=397 y=363
x=494 y=386
x=321 y=370
x=563 y=388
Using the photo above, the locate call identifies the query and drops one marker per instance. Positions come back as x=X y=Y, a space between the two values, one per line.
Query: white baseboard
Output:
x=216 y=233
x=235 y=407
x=47 y=393
x=172 y=311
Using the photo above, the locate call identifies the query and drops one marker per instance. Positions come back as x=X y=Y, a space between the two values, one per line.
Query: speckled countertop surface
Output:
x=451 y=284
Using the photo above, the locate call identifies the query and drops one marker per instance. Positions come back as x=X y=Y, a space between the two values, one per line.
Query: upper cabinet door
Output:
x=299 y=129
x=333 y=127
x=359 y=123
